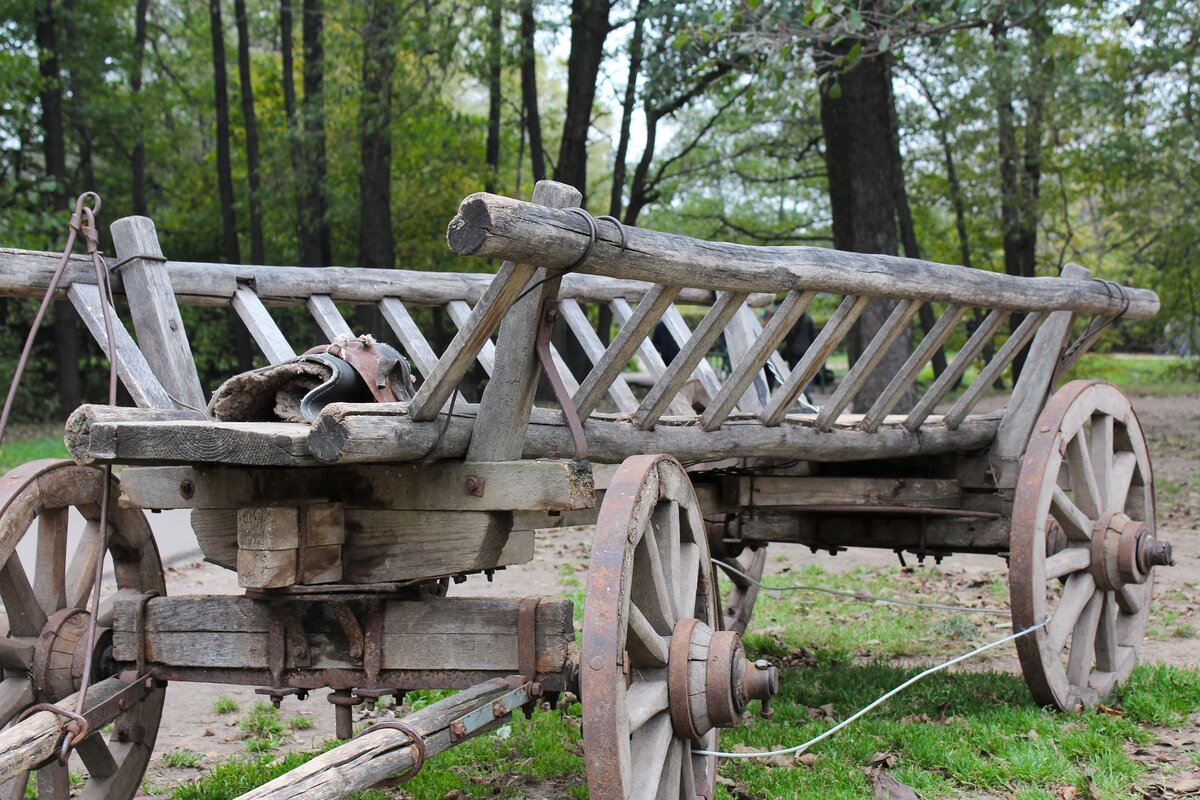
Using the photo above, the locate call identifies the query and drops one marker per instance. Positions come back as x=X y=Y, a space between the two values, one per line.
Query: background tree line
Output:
x=1009 y=136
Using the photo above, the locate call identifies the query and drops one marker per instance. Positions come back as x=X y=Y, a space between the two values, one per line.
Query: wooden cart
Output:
x=344 y=532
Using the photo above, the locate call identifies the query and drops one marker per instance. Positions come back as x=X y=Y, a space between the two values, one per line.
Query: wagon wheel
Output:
x=1083 y=546
x=743 y=594
x=45 y=621
x=657 y=678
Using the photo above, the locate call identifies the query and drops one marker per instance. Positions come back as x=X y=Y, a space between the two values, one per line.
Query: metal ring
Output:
x=74 y=731
x=620 y=229
x=595 y=235
x=418 y=741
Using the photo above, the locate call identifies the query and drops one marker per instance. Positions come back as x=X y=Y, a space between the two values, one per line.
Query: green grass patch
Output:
x=1140 y=374
x=18 y=451
x=265 y=728
x=300 y=722
x=225 y=705
x=181 y=758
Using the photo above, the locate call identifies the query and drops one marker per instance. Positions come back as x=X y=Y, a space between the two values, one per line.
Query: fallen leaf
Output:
x=806 y=759
x=888 y=788
x=885 y=760
x=1112 y=712
x=1066 y=793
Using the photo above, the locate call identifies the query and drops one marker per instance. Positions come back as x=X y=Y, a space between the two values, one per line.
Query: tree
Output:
x=376 y=245
x=138 y=154
x=495 y=46
x=229 y=237
x=251 y=125
x=315 y=248
x=529 y=92
x=589 y=30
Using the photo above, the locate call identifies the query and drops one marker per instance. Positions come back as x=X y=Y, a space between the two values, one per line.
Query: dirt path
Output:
x=1173 y=430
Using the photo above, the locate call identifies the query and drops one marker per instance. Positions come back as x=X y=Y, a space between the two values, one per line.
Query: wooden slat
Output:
x=266 y=333
x=635 y=327
x=326 y=313
x=410 y=336
x=135 y=373
x=912 y=367
x=895 y=326
x=509 y=395
x=740 y=335
x=818 y=352
x=648 y=354
x=955 y=369
x=585 y=334
x=459 y=313
x=682 y=366
x=155 y=313
x=1034 y=385
x=681 y=333
x=984 y=381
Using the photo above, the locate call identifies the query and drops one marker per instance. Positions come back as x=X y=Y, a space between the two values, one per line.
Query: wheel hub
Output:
x=58 y=659
x=710 y=681
x=1124 y=551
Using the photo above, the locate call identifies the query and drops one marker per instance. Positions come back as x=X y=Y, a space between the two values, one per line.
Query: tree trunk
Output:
x=251 y=123
x=627 y=109
x=295 y=136
x=78 y=111
x=376 y=245
x=229 y=237
x=494 y=47
x=135 y=85
x=639 y=194
x=589 y=29
x=856 y=121
x=529 y=94
x=54 y=150
x=317 y=249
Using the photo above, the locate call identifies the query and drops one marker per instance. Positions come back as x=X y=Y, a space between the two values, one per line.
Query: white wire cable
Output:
x=802 y=747
x=856 y=595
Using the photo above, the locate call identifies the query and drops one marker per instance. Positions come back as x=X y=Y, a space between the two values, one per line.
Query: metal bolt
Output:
x=597 y=662
x=299 y=651
x=355 y=651
x=762 y=663
x=458 y=730
x=474 y=485
x=187 y=489
x=1158 y=554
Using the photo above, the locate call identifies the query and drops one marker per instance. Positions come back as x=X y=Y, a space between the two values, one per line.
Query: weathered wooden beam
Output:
x=365 y=433
x=760 y=491
x=443 y=486
x=945 y=534
x=160 y=332
x=381 y=753
x=230 y=632
x=326 y=313
x=262 y=327
x=490 y=226
x=26 y=273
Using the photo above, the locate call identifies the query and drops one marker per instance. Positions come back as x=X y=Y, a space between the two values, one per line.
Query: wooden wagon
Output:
x=345 y=531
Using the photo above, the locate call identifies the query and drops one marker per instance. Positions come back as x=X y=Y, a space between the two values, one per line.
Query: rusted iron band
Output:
x=417 y=741
x=527 y=637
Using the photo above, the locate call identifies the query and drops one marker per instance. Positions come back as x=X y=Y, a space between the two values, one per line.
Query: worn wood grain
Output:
x=761 y=491
x=410 y=336
x=585 y=334
x=280 y=444
x=155 y=313
x=262 y=327
x=490 y=226
x=326 y=313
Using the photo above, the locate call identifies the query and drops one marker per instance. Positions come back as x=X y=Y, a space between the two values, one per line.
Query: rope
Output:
x=878 y=701
x=856 y=596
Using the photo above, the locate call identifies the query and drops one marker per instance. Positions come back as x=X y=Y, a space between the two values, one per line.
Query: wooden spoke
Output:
x=1083 y=480
x=16 y=654
x=645 y=645
x=25 y=614
x=16 y=694
x=1076 y=524
x=81 y=574
x=16 y=788
x=650 y=745
x=649 y=559
x=1083 y=638
x=97 y=757
x=1120 y=480
x=1081 y=465
x=53 y=782
x=1065 y=562
x=645 y=699
x=50 y=567
x=739 y=605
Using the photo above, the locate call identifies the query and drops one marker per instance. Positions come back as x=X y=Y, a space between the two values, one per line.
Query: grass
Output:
x=17 y=451
x=183 y=758
x=1141 y=374
x=265 y=728
x=968 y=732
x=300 y=723
x=225 y=705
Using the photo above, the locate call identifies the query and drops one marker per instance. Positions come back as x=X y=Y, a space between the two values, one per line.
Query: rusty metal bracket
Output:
x=74 y=730
x=139 y=630
x=527 y=648
x=570 y=413
x=350 y=626
x=373 y=640
x=417 y=740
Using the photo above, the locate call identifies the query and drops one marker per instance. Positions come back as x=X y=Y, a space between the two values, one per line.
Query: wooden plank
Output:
x=987 y=377
x=634 y=330
x=341 y=436
x=264 y=330
x=489 y=226
x=764 y=347
x=955 y=369
x=410 y=336
x=280 y=444
x=648 y=354
x=766 y=491
x=1034 y=385
x=740 y=335
x=908 y=373
x=460 y=313
x=909 y=532
x=893 y=328
x=326 y=313
x=503 y=486
x=155 y=313
x=683 y=366
x=509 y=395
x=817 y=354
x=585 y=334
x=135 y=373
x=464 y=633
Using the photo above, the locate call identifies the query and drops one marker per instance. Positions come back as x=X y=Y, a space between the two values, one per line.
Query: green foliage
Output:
x=181 y=758
x=225 y=705
x=16 y=451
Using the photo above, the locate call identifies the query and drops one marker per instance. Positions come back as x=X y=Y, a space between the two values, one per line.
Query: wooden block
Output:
x=266 y=569
x=272 y=528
